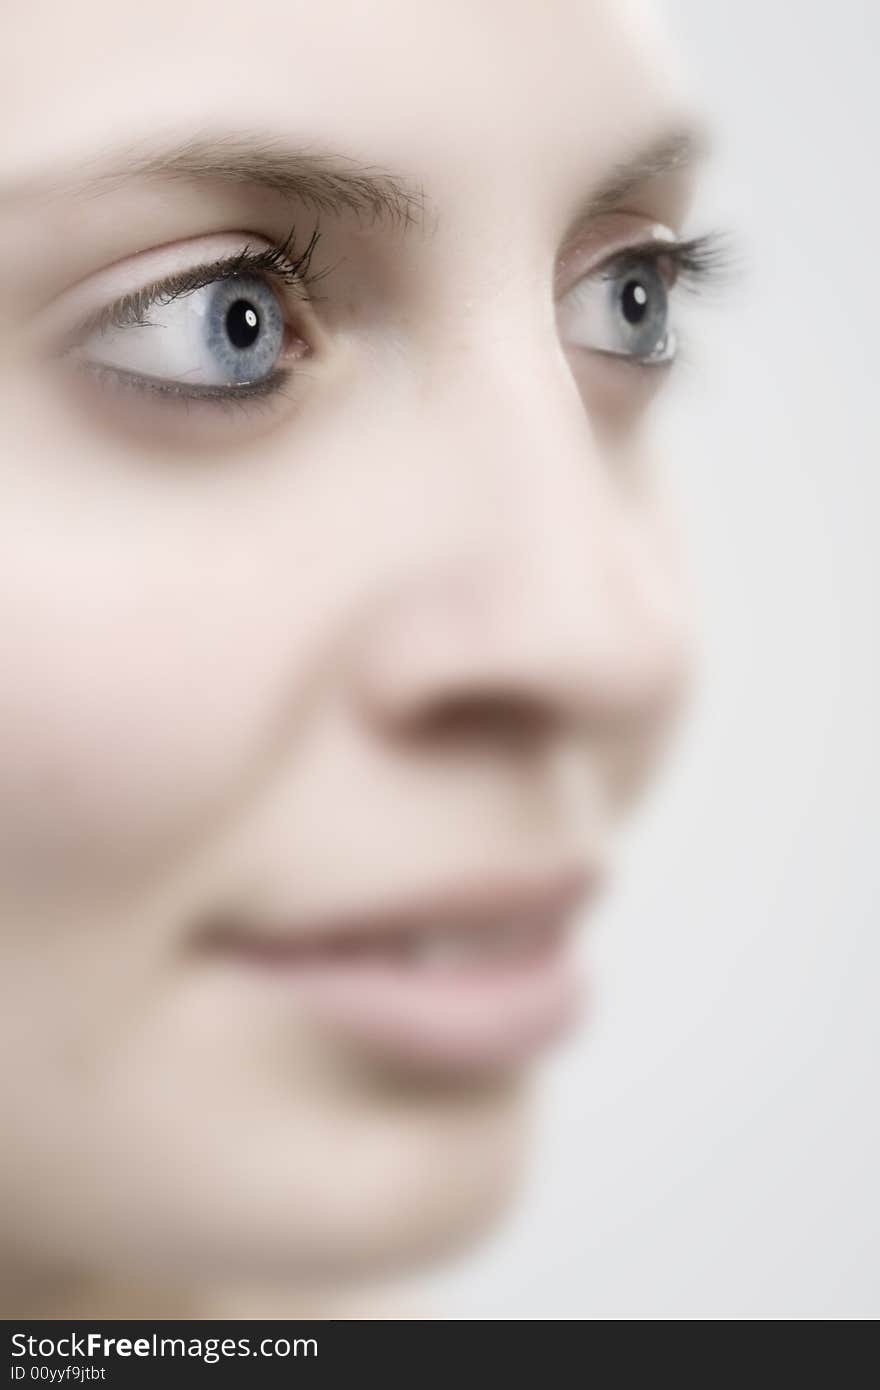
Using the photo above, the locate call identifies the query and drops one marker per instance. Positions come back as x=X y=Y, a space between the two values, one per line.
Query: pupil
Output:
x=242 y=323
x=634 y=300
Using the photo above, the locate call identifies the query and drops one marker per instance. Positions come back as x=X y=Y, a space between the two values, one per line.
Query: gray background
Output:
x=709 y=1143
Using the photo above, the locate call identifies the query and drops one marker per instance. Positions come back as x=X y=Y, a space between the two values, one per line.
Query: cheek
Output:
x=121 y=732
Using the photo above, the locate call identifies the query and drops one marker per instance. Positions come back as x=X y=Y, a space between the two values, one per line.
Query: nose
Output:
x=554 y=607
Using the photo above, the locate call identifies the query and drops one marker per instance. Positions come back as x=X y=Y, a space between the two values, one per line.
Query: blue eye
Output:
x=243 y=329
x=622 y=310
x=229 y=333
x=642 y=307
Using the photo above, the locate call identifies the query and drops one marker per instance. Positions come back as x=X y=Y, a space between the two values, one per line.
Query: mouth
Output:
x=472 y=978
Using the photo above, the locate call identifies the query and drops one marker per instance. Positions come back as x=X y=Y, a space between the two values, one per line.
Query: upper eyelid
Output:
x=705 y=258
x=166 y=290
x=661 y=243
x=79 y=309
x=630 y=256
x=713 y=250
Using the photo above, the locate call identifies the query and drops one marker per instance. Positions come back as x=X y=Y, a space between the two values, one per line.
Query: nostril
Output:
x=509 y=720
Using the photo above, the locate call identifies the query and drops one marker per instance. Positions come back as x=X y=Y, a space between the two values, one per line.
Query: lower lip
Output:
x=478 y=1017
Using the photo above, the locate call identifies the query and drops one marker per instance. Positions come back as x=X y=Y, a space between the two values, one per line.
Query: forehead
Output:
x=447 y=93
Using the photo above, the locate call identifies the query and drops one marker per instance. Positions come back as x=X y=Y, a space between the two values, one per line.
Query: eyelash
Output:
x=281 y=263
x=693 y=264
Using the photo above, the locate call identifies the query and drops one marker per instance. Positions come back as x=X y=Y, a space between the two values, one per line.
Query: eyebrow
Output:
x=670 y=153
x=325 y=181
x=337 y=183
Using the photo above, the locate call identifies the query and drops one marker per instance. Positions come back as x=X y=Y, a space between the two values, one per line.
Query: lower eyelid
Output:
x=117 y=379
x=152 y=414
x=149 y=418
x=625 y=361
x=181 y=390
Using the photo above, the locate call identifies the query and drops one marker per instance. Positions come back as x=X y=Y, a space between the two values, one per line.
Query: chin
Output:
x=408 y=1176
x=352 y=1185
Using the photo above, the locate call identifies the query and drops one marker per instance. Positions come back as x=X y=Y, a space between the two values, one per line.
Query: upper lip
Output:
x=489 y=901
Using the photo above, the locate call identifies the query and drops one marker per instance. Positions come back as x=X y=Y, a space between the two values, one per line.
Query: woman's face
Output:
x=339 y=618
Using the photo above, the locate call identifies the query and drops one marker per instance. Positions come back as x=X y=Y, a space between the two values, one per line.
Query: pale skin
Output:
x=265 y=656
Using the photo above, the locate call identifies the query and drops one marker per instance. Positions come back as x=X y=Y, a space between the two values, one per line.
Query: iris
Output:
x=243 y=328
